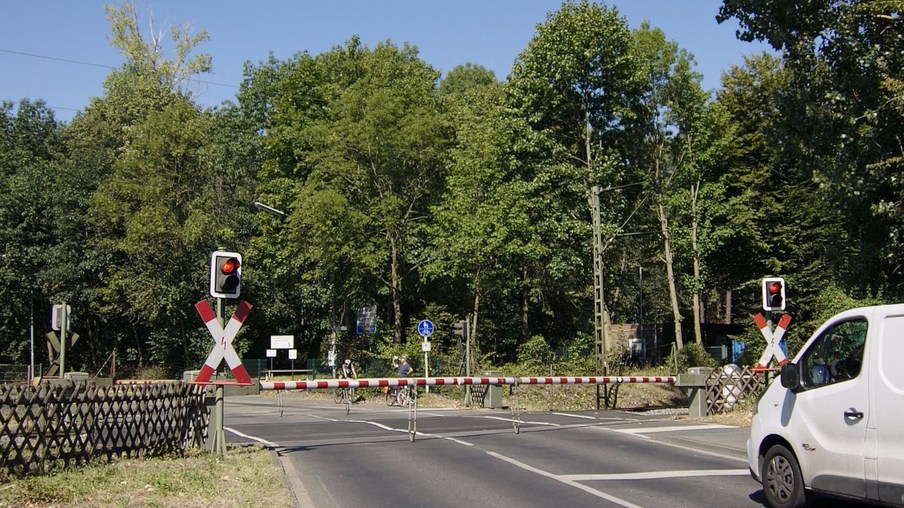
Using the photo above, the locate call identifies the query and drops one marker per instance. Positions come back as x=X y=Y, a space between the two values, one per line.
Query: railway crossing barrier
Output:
x=514 y=382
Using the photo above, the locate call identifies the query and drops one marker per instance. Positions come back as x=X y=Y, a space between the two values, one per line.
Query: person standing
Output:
x=404 y=394
x=405 y=369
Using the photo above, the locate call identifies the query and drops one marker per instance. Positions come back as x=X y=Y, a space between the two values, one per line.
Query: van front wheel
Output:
x=782 y=481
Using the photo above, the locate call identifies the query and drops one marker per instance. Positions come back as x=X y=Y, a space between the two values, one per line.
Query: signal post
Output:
x=225 y=282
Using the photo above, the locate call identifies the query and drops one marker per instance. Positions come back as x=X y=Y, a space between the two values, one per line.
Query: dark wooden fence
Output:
x=52 y=426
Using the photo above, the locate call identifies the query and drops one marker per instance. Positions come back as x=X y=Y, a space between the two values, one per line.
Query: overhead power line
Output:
x=79 y=62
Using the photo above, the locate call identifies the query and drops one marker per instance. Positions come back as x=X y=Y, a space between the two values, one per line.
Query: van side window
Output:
x=836 y=355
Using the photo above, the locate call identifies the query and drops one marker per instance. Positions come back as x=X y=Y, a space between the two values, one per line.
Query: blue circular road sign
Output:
x=425 y=328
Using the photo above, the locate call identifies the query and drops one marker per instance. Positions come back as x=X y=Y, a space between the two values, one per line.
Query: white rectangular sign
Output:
x=425 y=346
x=293 y=354
x=271 y=353
x=282 y=341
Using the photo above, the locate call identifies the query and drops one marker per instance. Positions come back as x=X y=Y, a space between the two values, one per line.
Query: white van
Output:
x=835 y=422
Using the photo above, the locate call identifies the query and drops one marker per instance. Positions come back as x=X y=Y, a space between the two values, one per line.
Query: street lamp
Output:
x=269 y=209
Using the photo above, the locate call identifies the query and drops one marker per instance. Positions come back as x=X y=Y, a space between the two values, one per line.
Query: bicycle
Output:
x=398 y=396
x=342 y=395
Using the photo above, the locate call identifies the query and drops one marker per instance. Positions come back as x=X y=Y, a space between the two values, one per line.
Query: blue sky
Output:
x=447 y=33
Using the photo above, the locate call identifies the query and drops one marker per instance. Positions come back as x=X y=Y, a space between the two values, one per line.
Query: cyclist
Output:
x=347 y=371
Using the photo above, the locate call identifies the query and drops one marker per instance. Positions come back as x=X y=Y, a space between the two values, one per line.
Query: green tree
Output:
x=146 y=54
x=487 y=228
x=786 y=225
x=365 y=138
x=680 y=139
x=842 y=117
x=466 y=77
x=578 y=84
x=30 y=143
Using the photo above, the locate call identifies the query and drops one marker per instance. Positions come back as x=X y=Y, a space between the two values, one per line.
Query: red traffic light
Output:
x=225 y=274
x=774 y=293
x=229 y=266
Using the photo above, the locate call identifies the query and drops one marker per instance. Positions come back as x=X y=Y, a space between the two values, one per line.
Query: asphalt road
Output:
x=473 y=457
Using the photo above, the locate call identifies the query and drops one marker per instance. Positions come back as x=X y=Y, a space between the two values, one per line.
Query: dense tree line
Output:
x=463 y=195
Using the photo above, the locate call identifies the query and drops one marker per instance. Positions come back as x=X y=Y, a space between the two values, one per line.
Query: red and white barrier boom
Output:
x=459 y=381
x=455 y=381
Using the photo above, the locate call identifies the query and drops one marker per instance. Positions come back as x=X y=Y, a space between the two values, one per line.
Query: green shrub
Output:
x=694 y=355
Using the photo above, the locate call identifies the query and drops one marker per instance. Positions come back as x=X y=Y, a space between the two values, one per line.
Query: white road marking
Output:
x=576 y=416
x=655 y=475
x=572 y=483
x=521 y=421
x=262 y=441
x=675 y=428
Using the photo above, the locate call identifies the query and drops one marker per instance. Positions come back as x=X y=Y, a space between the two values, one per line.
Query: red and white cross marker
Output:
x=772 y=341
x=223 y=342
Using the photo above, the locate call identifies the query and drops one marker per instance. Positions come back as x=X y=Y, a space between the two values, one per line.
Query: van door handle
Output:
x=854 y=414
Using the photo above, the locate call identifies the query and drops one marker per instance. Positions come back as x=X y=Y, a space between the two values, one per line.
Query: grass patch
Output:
x=244 y=477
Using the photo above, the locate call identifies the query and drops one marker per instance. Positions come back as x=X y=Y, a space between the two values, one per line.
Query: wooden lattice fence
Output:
x=727 y=387
x=51 y=426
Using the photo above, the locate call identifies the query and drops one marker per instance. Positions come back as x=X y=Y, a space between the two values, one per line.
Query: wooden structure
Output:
x=56 y=425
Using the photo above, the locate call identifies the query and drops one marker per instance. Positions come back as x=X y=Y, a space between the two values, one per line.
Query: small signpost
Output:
x=278 y=342
x=59 y=321
x=366 y=320
x=425 y=329
x=222 y=349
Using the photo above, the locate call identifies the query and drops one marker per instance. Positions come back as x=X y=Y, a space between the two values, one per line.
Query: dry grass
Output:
x=243 y=478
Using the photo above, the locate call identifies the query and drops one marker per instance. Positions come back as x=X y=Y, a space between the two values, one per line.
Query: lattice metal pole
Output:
x=600 y=315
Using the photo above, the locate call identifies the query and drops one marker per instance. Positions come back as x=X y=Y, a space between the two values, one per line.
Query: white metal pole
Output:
x=426 y=366
x=63 y=326
x=31 y=363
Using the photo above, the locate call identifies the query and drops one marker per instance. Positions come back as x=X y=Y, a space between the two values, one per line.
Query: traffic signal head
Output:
x=225 y=274
x=774 y=293
x=458 y=328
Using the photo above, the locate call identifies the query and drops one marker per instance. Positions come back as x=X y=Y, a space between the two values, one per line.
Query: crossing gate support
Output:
x=514 y=382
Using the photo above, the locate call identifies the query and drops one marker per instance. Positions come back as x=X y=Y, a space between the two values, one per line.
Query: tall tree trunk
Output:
x=525 y=307
x=728 y=307
x=667 y=258
x=698 y=335
x=396 y=292
x=472 y=336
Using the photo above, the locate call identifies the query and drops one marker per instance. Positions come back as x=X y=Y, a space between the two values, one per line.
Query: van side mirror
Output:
x=790 y=376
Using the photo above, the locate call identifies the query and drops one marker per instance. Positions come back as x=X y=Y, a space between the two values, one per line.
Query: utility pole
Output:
x=600 y=313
